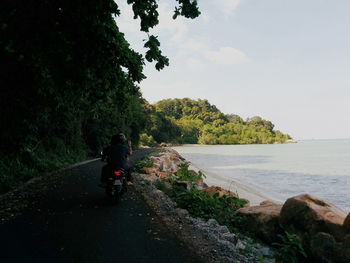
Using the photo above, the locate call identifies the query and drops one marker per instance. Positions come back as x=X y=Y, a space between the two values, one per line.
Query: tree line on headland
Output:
x=197 y=121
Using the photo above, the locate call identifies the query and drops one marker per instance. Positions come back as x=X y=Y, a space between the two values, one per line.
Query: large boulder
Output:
x=306 y=215
x=343 y=252
x=170 y=163
x=346 y=223
x=167 y=161
x=323 y=247
x=157 y=162
x=221 y=191
x=262 y=220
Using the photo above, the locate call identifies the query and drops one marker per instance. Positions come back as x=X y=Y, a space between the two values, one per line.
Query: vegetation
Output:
x=144 y=162
x=198 y=202
x=69 y=80
x=147 y=140
x=197 y=121
x=183 y=174
x=290 y=249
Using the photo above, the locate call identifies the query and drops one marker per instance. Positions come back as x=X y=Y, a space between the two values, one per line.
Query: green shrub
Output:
x=145 y=162
x=147 y=140
x=163 y=187
x=290 y=248
x=200 y=204
x=184 y=174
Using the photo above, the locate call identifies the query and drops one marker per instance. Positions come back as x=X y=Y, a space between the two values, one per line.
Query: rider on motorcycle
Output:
x=117 y=155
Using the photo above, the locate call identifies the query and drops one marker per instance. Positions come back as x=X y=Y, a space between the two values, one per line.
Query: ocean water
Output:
x=317 y=167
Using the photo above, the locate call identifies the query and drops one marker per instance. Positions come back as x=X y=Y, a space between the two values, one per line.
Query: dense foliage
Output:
x=197 y=121
x=68 y=80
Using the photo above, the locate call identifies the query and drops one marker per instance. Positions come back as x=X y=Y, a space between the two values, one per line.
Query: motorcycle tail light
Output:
x=117 y=173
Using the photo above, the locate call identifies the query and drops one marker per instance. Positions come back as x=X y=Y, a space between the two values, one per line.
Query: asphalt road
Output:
x=72 y=221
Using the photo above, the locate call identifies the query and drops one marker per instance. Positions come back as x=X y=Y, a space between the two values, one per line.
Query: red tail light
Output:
x=117 y=173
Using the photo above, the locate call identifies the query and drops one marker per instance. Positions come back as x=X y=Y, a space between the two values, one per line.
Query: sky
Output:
x=287 y=61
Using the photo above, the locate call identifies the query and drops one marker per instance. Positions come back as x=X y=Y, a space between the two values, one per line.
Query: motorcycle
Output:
x=116 y=185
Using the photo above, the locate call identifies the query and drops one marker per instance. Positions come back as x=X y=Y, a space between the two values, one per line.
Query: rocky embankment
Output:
x=209 y=239
x=322 y=228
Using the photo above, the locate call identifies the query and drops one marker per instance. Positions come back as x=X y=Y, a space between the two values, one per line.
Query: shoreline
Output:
x=272 y=175
x=243 y=190
x=254 y=196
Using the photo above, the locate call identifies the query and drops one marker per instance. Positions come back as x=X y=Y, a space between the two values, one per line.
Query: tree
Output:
x=198 y=121
x=68 y=77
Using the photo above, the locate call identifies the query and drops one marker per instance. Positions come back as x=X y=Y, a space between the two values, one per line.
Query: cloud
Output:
x=226 y=56
x=227 y=6
x=202 y=50
x=195 y=65
x=195 y=45
x=193 y=52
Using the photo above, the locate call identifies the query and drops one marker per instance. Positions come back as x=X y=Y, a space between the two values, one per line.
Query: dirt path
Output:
x=67 y=218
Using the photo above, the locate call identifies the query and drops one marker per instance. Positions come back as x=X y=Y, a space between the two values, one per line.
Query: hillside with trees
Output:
x=69 y=80
x=197 y=121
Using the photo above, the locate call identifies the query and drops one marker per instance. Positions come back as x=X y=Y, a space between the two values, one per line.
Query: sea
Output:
x=317 y=167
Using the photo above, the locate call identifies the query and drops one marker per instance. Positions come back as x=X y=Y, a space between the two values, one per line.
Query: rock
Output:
x=157 y=162
x=322 y=247
x=229 y=237
x=240 y=245
x=148 y=170
x=305 y=214
x=182 y=212
x=347 y=241
x=162 y=175
x=346 y=223
x=199 y=184
x=264 y=251
x=262 y=220
x=268 y=202
x=343 y=252
x=185 y=184
x=150 y=179
x=217 y=189
x=169 y=164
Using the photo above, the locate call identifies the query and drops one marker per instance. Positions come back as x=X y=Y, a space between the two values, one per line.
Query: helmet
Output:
x=121 y=137
x=118 y=138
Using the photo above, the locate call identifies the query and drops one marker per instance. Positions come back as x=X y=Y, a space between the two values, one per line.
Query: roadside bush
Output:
x=290 y=249
x=145 y=162
x=184 y=174
x=200 y=204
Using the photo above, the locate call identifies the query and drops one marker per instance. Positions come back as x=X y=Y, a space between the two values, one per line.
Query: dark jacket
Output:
x=117 y=155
